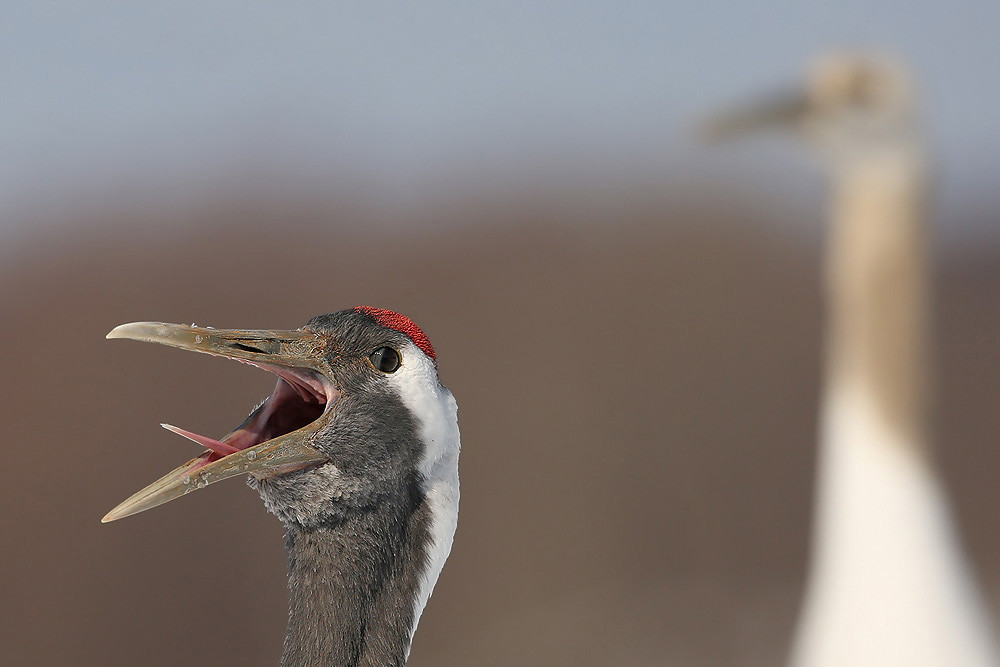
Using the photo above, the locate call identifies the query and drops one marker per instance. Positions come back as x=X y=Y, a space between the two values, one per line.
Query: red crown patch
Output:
x=403 y=324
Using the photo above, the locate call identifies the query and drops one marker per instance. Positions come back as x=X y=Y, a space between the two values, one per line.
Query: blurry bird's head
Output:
x=849 y=105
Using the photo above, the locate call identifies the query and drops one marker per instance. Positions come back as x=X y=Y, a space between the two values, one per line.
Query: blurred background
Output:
x=630 y=321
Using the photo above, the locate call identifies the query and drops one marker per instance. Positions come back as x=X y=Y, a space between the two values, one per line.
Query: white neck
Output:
x=436 y=409
x=889 y=585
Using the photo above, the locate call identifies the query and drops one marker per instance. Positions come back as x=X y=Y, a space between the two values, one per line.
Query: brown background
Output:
x=637 y=385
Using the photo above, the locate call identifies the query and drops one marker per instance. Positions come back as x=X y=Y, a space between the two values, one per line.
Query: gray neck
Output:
x=352 y=584
x=877 y=286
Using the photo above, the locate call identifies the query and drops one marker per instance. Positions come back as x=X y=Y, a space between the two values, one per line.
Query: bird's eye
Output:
x=385 y=359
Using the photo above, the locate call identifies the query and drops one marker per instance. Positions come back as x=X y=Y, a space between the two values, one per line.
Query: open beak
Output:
x=778 y=110
x=274 y=439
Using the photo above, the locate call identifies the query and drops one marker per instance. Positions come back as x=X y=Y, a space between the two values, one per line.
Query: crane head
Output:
x=356 y=394
x=848 y=104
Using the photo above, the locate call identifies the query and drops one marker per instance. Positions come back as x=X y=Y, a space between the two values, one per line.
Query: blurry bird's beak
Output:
x=274 y=439
x=776 y=111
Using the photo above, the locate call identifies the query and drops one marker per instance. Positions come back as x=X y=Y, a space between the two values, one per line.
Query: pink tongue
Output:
x=220 y=448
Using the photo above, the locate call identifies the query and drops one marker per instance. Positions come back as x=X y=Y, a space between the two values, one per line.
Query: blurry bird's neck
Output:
x=885 y=556
x=353 y=583
x=877 y=289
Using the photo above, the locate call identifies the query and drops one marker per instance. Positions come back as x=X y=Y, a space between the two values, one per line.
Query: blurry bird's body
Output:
x=888 y=585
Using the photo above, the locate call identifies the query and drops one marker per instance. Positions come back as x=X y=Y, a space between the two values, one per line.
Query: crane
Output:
x=889 y=584
x=356 y=452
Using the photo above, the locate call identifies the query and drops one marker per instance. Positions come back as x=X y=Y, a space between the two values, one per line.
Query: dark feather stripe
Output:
x=352 y=584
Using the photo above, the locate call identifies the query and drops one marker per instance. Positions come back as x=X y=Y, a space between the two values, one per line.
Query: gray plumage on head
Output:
x=372 y=444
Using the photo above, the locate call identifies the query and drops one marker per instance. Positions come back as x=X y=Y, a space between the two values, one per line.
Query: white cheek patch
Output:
x=436 y=412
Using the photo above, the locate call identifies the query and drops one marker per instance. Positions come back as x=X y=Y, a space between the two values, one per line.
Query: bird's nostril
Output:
x=246 y=348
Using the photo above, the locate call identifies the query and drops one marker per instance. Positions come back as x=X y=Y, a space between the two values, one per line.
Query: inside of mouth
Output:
x=299 y=398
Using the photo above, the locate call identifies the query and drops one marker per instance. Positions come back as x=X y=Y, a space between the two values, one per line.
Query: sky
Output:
x=106 y=100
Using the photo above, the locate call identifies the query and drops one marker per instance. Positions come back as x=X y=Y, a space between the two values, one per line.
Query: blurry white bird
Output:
x=888 y=584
